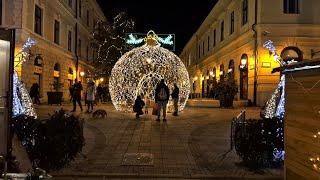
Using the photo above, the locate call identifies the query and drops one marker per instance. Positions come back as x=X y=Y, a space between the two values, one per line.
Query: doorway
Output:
x=244 y=77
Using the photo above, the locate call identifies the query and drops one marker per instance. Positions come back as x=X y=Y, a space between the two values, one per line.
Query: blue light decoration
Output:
x=165 y=40
x=281 y=105
x=168 y=40
x=275 y=106
x=133 y=40
x=22 y=102
x=278 y=155
x=272 y=49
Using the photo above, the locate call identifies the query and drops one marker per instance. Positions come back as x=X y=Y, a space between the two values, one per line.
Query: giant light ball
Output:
x=140 y=70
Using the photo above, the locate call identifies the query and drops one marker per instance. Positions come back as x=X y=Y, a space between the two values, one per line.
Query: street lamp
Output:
x=243 y=62
x=82 y=73
x=195 y=78
x=101 y=79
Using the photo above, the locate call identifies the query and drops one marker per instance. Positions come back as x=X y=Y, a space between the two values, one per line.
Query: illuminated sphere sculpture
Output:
x=139 y=71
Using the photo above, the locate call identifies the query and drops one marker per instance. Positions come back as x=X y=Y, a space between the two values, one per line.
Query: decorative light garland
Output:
x=22 y=103
x=25 y=50
x=275 y=106
x=168 y=40
x=110 y=39
x=132 y=40
x=139 y=71
x=269 y=45
x=316 y=160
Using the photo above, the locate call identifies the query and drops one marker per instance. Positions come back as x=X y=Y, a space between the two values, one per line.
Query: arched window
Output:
x=291 y=53
x=57 y=67
x=244 y=76
x=70 y=77
x=221 y=72
x=70 y=71
x=244 y=62
x=231 y=69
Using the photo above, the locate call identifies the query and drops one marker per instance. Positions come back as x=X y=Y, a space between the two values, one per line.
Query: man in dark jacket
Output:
x=76 y=95
x=162 y=98
x=175 y=98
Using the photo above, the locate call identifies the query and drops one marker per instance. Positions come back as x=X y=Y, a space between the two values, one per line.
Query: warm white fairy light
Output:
x=316 y=160
x=275 y=108
x=22 y=103
x=139 y=71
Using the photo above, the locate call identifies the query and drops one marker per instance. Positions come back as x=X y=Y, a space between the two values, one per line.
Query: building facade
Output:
x=62 y=30
x=230 y=41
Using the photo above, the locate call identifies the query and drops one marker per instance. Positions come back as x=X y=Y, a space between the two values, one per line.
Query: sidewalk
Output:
x=194 y=145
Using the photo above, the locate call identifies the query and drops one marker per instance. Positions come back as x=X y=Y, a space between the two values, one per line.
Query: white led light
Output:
x=138 y=72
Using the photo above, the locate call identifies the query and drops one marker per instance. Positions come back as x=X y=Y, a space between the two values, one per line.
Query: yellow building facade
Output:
x=62 y=30
x=231 y=39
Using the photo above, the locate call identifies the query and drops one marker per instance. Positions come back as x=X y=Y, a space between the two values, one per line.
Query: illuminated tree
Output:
x=110 y=42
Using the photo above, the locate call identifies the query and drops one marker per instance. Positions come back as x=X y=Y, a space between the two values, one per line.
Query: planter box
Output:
x=226 y=102
x=54 y=97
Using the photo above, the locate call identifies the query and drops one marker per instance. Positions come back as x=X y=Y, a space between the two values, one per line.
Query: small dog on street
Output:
x=100 y=113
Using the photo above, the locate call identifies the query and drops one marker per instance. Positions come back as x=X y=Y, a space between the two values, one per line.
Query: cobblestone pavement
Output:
x=195 y=144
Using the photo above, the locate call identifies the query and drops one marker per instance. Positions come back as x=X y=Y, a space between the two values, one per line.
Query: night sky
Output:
x=180 y=17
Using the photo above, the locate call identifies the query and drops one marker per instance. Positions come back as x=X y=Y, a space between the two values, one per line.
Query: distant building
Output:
x=231 y=39
x=62 y=29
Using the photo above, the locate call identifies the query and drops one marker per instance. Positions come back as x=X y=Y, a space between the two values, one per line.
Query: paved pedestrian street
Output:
x=194 y=145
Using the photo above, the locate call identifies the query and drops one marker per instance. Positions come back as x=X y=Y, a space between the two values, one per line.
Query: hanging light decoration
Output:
x=22 y=103
x=140 y=70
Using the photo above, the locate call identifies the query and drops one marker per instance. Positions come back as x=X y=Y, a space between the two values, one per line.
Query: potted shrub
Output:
x=55 y=95
x=226 y=90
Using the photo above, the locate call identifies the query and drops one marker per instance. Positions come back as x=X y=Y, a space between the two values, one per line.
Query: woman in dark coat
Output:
x=138 y=105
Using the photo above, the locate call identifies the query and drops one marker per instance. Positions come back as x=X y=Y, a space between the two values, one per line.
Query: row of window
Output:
x=56 y=35
x=71 y=5
x=244 y=21
x=290 y=7
x=290 y=53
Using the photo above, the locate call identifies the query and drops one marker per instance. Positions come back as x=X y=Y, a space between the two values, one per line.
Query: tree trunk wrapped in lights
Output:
x=139 y=71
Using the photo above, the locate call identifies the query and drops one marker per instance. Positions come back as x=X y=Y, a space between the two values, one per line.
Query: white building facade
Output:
x=63 y=31
x=231 y=39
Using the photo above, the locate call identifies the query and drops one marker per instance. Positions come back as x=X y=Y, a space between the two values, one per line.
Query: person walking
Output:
x=162 y=98
x=76 y=95
x=175 y=98
x=90 y=95
x=138 y=106
x=99 y=93
x=35 y=93
x=71 y=92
